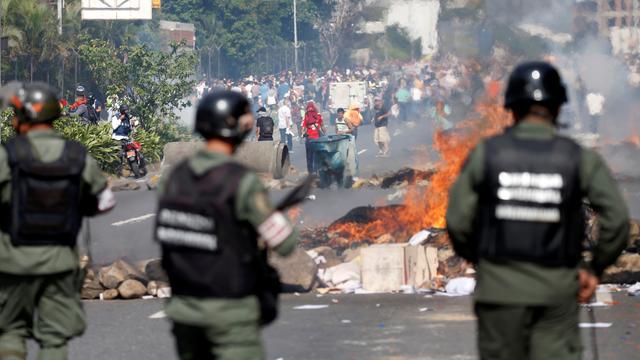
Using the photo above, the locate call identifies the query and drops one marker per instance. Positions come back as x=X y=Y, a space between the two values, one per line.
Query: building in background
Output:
x=172 y=31
x=619 y=20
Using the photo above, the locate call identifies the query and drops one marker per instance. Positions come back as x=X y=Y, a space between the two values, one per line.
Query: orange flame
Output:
x=426 y=207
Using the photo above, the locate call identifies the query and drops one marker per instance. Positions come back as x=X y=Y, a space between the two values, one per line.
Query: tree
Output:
x=243 y=29
x=156 y=83
x=335 y=23
x=37 y=27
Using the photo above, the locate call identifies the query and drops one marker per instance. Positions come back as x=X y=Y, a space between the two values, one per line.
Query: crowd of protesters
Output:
x=299 y=106
x=437 y=91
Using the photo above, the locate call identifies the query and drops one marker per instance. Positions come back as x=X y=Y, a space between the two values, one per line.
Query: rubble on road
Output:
x=297 y=271
x=626 y=270
x=124 y=184
x=331 y=261
x=124 y=280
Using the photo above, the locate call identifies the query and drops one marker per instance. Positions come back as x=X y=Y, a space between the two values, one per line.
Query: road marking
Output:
x=362 y=152
x=310 y=307
x=159 y=315
x=133 y=220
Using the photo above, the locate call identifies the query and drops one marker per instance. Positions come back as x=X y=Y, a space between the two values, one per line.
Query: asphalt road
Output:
x=376 y=327
x=354 y=327
x=126 y=231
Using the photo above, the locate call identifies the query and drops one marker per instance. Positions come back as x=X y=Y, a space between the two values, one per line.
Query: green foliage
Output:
x=398 y=44
x=243 y=29
x=32 y=22
x=96 y=138
x=521 y=43
x=6 y=128
x=152 y=145
x=160 y=82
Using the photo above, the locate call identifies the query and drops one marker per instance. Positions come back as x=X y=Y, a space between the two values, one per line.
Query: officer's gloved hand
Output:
x=587 y=282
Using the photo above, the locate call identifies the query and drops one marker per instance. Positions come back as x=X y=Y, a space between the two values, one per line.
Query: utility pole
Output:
x=295 y=35
x=60 y=6
x=218 y=50
x=1 y=32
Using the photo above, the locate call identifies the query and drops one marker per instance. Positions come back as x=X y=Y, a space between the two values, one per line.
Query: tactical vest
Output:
x=206 y=251
x=530 y=201
x=45 y=197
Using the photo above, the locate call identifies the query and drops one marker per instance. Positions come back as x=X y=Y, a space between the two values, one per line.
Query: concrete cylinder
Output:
x=265 y=157
x=262 y=156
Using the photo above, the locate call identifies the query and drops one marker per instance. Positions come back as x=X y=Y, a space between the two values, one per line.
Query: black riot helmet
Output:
x=124 y=108
x=34 y=103
x=221 y=115
x=535 y=82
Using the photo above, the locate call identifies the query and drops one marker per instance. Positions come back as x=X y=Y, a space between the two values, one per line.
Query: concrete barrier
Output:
x=262 y=156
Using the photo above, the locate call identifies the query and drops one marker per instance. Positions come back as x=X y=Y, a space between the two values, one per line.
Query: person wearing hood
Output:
x=312 y=128
x=353 y=118
x=264 y=125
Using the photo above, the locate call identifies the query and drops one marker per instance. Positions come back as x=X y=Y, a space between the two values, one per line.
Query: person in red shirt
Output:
x=313 y=128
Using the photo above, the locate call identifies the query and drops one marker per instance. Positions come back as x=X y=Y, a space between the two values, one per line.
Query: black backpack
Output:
x=46 y=198
x=92 y=114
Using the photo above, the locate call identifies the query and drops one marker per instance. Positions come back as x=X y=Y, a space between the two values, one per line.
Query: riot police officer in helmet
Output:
x=213 y=223
x=47 y=185
x=515 y=211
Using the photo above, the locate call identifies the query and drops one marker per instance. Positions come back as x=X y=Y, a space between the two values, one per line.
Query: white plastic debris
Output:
x=419 y=238
x=164 y=293
x=342 y=273
x=345 y=321
x=320 y=260
x=310 y=307
x=350 y=286
x=595 y=325
x=424 y=309
x=147 y=297
x=397 y=195
x=634 y=290
x=460 y=286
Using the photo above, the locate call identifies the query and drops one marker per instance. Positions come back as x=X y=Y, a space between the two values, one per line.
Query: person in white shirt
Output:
x=595 y=106
x=285 y=125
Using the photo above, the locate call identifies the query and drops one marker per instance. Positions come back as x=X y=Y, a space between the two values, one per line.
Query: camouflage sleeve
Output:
x=93 y=176
x=254 y=206
x=97 y=195
x=613 y=217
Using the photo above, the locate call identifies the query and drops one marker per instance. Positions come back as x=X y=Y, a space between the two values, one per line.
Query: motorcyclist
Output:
x=121 y=123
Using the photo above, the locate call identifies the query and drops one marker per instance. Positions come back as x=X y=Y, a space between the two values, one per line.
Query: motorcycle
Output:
x=132 y=154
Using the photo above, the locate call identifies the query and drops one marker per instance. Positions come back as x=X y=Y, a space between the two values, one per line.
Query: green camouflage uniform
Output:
x=525 y=310
x=40 y=285
x=229 y=328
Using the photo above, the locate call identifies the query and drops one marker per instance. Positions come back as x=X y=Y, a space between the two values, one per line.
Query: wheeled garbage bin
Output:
x=334 y=160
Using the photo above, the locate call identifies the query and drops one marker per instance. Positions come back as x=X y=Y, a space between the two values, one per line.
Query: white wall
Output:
x=419 y=18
